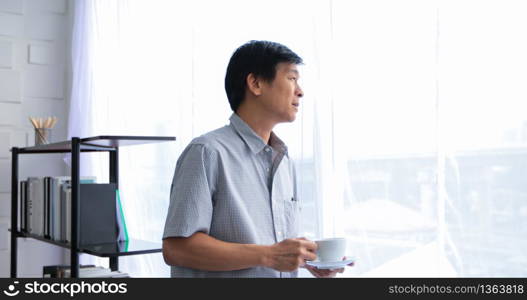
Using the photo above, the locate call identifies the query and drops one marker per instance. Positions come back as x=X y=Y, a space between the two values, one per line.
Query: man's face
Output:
x=281 y=97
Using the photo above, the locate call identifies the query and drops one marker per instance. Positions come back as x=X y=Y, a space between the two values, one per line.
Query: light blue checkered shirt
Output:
x=232 y=186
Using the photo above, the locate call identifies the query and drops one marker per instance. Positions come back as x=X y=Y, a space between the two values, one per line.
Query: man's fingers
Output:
x=309 y=255
x=309 y=245
x=324 y=273
x=327 y=273
x=320 y=272
x=350 y=264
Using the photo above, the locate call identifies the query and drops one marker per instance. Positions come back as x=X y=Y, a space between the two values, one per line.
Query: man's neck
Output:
x=258 y=122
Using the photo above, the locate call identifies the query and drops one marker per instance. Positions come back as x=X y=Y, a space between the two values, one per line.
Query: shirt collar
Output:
x=254 y=141
x=277 y=143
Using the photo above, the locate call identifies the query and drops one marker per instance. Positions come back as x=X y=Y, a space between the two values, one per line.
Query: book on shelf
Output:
x=23 y=208
x=45 y=204
x=35 y=205
x=85 y=271
x=58 y=271
x=55 y=206
x=65 y=220
x=47 y=197
x=98 y=272
x=43 y=210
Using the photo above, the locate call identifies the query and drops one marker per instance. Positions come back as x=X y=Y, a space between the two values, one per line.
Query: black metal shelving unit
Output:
x=75 y=146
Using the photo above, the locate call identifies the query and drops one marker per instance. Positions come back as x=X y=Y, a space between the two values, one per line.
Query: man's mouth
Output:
x=296 y=105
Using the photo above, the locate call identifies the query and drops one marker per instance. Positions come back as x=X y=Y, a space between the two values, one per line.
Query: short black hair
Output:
x=259 y=58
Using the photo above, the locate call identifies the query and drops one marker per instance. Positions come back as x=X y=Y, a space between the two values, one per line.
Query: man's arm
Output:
x=203 y=252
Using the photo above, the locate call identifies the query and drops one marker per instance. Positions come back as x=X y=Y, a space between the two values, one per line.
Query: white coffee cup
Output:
x=331 y=249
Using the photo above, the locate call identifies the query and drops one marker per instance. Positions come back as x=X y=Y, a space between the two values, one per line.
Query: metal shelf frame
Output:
x=75 y=146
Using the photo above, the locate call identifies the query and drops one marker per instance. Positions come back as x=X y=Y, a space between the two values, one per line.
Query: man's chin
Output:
x=292 y=118
x=288 y=118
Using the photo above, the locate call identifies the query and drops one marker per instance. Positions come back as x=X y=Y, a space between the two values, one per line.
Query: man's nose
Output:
x=299 y=92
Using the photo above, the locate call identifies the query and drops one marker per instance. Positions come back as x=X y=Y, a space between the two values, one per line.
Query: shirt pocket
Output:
x=292 y=217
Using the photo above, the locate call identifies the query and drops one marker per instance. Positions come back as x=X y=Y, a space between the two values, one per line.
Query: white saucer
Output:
x=330 y=264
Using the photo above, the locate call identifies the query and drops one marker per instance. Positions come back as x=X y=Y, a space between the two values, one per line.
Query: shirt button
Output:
x=267 y=149
x=268 y=169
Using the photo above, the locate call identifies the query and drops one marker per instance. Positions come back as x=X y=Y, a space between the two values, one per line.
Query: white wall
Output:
x=34 y=81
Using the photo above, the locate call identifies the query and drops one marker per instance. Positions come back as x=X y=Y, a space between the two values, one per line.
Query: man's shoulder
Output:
x=217 y=139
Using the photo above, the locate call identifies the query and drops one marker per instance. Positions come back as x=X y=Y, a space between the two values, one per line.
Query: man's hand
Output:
x=290 y=254
x=325 y=273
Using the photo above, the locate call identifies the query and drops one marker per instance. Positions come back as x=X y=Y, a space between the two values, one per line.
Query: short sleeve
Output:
x=190 y=208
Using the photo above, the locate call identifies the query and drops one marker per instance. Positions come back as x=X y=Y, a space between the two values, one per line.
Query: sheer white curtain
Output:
x=410 y=138
x=430 y=128
x=157 y=68
x=121 y=88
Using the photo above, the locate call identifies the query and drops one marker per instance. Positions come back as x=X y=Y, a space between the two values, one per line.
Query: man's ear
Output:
x=254 y=84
